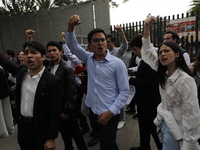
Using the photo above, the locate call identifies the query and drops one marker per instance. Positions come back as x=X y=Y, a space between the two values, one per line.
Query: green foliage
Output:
x=113 y=3
x=22 y=6
x=64 y=2
x=195 y=7
x=42 y=4
x=3 y=11
x=19 y=6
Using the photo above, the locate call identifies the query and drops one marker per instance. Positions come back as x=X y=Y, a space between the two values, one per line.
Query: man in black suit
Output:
x=69 y=124
x=147 y=98
x=39 y=99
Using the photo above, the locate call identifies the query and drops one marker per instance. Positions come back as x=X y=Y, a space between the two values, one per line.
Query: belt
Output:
x=26 y=119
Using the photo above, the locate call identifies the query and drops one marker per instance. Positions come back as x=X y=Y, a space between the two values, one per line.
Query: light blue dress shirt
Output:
x=108 y=87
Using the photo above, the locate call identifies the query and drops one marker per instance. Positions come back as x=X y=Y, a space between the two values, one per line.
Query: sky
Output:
x=137 y=10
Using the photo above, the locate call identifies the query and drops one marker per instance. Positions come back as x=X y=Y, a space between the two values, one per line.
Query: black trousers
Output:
x=26 y=137
x=70 y=129
x=147 y=127
x=107 y=133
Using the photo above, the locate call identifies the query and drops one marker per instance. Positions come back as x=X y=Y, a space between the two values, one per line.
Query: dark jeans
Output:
x=147 y=127
x=70 y=129
x=107 y=132
x=132 y=104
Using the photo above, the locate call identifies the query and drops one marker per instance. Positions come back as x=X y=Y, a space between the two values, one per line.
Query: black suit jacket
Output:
x=4 y=88
x=48 y=101
x=132 y=64
x=147 y=87
x=66 y=74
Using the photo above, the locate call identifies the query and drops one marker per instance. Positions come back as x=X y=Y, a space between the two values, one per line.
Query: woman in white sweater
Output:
x=178 y=115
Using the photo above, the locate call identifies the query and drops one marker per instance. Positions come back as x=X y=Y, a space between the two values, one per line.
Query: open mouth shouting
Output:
x=30 y=63
x=163 y=59
x=100 y=50
x=52 y=57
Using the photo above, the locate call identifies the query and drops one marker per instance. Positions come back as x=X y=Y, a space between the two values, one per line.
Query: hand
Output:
x=191 y=69
x=147 y=25
x=104 y=117
x=50 y=145
x=132 y=76
x=149 y=20
x=62 y=36
x=118 y=28
x=74 y=20
x=64 y=116
x=30 y=32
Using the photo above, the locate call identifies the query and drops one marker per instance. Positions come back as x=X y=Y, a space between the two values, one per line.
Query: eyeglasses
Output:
x=98 y=40
x=51 y=50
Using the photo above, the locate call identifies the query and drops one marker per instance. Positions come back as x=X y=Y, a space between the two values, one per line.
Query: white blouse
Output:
x=179 y=107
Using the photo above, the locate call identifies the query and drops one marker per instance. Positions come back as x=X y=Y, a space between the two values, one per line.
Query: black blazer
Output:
x=4 y=88
x=48 y=100
x=66 y=74
x=132 y=64
x=147 y=86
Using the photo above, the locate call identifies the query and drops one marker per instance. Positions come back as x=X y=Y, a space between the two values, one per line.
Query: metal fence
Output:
x=190 y=43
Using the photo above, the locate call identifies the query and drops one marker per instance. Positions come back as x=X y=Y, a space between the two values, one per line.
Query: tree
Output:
x=3 y=11
x=195 y=7
x=19 y=6
x=42 y=4
x=22 y=6
x=65 y=2
x=113 y=3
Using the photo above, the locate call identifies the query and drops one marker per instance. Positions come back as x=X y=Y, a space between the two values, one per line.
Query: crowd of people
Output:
x=59 y=87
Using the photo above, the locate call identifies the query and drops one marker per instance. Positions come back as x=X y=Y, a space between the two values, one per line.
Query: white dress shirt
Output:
x=28 y=90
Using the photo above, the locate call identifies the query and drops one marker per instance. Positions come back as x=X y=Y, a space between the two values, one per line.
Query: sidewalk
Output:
x=126 y=137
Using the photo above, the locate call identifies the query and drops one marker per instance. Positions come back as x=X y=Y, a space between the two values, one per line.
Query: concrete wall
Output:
x=50 y=23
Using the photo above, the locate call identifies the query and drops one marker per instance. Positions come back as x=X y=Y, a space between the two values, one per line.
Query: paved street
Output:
x=126 y=137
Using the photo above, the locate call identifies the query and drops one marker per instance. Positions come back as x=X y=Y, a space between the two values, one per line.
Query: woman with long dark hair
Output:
x=20 y=58
x=178 y=114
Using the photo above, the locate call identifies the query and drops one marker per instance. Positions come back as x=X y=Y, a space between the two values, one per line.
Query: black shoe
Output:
x=130 y=111
x=85 y=130
x=95 y=139
x=135 y=148
x=135 y=116
x=92 y=133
